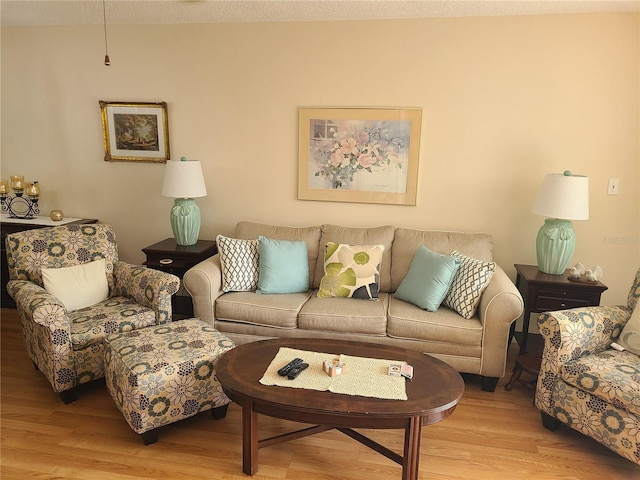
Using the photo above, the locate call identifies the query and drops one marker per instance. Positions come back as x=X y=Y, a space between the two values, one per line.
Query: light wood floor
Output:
x=490 y=436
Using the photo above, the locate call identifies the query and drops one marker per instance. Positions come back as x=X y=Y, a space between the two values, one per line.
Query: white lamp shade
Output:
x=563 y=196
x=183 y=179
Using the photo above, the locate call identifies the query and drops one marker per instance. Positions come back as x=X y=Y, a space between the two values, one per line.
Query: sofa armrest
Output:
x=146 y=286
x=500 y=305
x=204 y=283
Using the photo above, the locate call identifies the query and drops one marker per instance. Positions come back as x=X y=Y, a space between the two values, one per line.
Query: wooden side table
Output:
x=170 y=257
x=543 y=292
x=10 y=225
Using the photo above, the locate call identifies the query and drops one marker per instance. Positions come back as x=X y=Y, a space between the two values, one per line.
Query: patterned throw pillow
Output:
x=630 y=336
x=472 y=278
x=351 y=271
x=239 y=260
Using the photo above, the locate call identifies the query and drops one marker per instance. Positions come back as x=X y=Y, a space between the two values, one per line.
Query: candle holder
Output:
x=24 y=202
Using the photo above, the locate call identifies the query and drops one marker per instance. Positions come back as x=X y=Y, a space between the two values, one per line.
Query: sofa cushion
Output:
x=239 y=260
x=279 y=311
x=470 y=280
x=77 y=286
x=411 y=322
x=407 y=241
x=610 y=375
x=283 y=266
x=344 y=315
x=358 y=236
x=310 y=235
x=428 y=279
x=351 y=271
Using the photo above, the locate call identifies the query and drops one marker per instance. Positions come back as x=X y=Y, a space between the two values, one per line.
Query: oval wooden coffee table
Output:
x=432 y=395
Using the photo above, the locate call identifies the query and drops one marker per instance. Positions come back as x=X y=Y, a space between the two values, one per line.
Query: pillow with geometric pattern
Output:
x=239 y=261
x=470 y=280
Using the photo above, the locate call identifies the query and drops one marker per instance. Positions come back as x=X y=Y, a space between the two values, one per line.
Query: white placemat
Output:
x=366 y=377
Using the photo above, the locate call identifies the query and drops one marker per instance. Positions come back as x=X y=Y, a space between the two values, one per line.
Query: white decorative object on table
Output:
x=594 y=274
x=577 y=271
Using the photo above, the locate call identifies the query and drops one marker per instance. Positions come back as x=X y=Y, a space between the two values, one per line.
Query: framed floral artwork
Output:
x=135 y=132
x=367 y=155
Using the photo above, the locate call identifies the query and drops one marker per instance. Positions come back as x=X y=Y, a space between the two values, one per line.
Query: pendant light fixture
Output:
x=107 y=61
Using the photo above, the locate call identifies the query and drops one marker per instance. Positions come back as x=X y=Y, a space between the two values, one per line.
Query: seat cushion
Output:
x=409 y=321
x=611 y=376
x=276 y=310
x=347 y=315
x=115 y=315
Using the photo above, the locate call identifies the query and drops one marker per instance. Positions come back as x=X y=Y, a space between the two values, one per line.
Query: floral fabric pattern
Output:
x=585 y=383
x=67 y=346
x=162 y=374
x=351 y=271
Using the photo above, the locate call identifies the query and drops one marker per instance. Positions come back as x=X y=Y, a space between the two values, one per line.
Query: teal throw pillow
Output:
x=428 y=279
x=284 y=266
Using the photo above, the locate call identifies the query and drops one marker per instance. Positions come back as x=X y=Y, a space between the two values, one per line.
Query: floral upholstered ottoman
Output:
x=161 y=374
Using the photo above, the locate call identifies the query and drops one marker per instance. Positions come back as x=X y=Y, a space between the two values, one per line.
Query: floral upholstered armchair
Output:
x=584 y=382
x=66 y=346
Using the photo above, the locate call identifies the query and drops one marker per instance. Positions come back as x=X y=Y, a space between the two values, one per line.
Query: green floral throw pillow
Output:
x=351 y=271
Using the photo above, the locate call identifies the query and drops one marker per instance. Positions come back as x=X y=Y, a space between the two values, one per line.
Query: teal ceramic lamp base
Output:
x=185 y=221
x=555 y=244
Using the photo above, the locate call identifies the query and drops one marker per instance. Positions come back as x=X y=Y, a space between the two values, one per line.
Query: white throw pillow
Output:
x=630 y=336
x=239 y=264
x=78 y=286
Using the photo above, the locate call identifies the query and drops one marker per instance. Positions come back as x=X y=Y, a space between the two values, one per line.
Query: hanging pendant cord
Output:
x=107 y=61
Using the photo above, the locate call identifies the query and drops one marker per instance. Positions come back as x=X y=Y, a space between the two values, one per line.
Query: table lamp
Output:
x=563 y=197
x=183 y=180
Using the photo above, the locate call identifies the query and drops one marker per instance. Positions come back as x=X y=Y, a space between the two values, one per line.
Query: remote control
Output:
x=284 y=371
x=297 y=370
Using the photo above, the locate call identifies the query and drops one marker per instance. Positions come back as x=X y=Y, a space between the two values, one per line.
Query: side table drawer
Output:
x=547 y=304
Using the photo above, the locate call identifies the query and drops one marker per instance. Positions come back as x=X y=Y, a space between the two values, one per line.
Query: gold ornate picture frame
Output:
x=135 y=132
x=366 y=155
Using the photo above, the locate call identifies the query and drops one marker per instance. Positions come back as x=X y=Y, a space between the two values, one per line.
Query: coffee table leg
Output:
x=411 y=460
x=249 y=439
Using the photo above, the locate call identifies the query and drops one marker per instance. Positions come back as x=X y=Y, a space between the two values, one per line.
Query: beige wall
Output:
x=505 y=100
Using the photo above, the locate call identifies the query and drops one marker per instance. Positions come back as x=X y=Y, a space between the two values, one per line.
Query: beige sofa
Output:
x=477 y=345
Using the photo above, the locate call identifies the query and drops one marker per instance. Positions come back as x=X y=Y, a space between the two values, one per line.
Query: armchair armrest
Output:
x=500 y=305
x=38 y=305
x=570 y=334
x=46 y=331
x=146 y=286
x=204 y=282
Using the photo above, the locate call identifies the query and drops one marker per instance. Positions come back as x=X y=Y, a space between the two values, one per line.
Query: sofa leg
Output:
x=149 y=437
x=69 y=396
x=220 y=412
x=549 y=422
x=488 y=384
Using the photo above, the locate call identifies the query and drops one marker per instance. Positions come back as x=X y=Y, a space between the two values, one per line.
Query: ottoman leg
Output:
x=219 y=412
x=149 y=437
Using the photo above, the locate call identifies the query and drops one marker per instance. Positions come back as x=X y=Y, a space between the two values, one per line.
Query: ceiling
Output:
x=87 y=12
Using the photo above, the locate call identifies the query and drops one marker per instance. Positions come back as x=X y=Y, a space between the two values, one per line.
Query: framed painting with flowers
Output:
x=367 y=155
